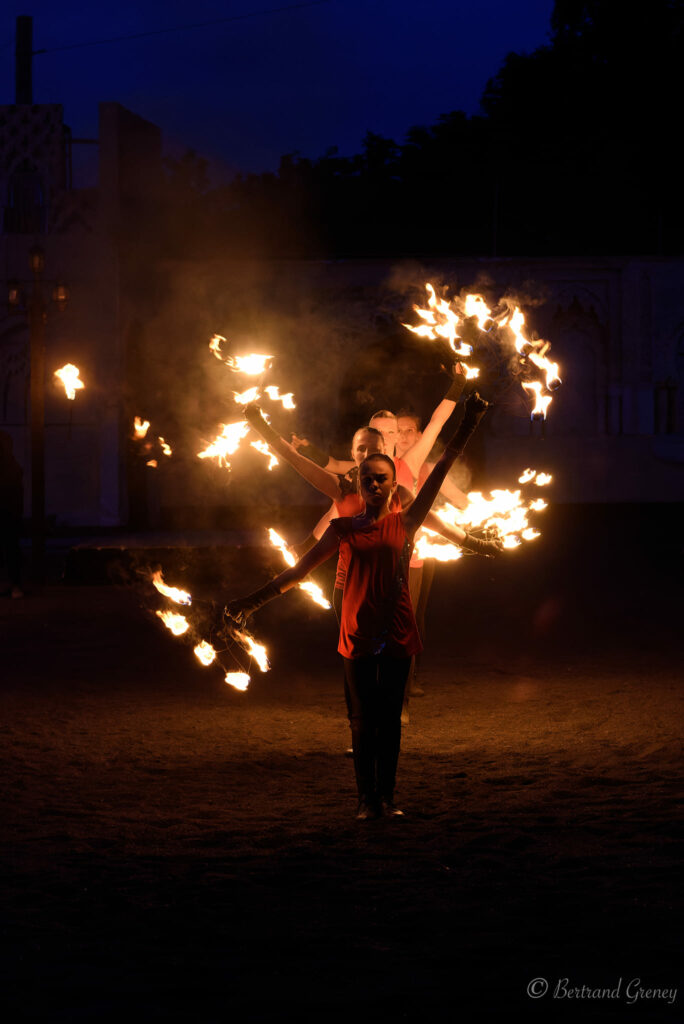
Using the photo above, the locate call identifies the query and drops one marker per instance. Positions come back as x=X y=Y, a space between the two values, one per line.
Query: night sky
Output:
x=247 y=91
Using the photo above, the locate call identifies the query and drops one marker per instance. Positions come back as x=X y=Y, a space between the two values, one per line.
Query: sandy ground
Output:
x=175 y=849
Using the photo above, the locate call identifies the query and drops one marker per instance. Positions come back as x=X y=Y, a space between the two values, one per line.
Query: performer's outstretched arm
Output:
x=321 y=479
x=242 y=607
x=475 y=409
x=418 y=453
x=310 y=451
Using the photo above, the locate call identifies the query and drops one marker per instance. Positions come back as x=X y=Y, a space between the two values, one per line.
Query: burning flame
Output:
x=426 y=547
x=542 y=402
x=215 y=345
x=278 y=542
x=257 y=651
x=543 y=479
x=226 y=443
x=245 y=397
x=315 y=593
x=262 y=447
x=173 y=593
x=275 y=396
x=69 y=376
x=205 y=653
x=152 y=463
x=528 y=474
x=253 y=364
x=166 y=449
x=442 y=318
x=178 y=624
x=308 y=586
x=240 y=680
x=140 y=427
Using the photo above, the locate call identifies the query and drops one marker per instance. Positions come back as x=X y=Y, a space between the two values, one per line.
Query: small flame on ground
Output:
x=69 y=376
x=204 y=652
x=178 y=624
x=173 y=593
x=140 y=427
x=166 y=448
x=152 y=463
x=240 y=680
x=226 y=443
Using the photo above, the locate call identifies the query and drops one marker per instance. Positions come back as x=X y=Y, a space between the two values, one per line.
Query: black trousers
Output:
x=374 y=691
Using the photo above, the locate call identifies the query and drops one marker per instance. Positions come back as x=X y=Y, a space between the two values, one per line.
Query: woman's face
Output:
x=387 y=425
x=408 y=434
x=365 y=443
x=376 y=482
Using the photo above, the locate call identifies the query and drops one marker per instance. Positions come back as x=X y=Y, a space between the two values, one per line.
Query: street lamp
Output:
x=36 y=310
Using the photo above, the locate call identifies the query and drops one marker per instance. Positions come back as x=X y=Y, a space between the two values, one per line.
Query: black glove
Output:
x=240 y=609
x=475 y=408
x=313 y=454
x=255 y=418
x=482 y=547
x=458 y=382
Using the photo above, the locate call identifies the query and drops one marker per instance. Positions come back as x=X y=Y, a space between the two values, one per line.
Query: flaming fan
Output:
x=493 y=341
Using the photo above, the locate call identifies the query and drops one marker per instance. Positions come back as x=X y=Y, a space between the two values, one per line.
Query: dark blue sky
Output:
x=245 y=92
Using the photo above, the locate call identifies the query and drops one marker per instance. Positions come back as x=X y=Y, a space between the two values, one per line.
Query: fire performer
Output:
x=378 y=633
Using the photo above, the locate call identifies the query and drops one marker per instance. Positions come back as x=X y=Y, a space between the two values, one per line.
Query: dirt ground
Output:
x=176 y=849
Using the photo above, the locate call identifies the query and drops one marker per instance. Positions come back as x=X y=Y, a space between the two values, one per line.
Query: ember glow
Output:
x=173 y=593
x=69 y=376
x=308 y=586
x=443 y=319
x=226 y=443
x=178 y=624
x=204 y=652
x=152 y=463
x=239 y=680
x=140 y=428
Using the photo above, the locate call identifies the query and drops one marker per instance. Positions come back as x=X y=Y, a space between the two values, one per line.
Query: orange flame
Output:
x=262 y=447
x=226 y=443
x=173 y=593
x=178 y=624
x=69 y=376
x=166 y=448
x=275 y=396
x=204 y=652
x=257 y=651
x=140 y=427
x=239 y=680
x=253 y=364
x=308 y=586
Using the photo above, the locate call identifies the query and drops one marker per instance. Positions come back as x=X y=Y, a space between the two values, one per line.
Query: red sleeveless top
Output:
x=375 y=611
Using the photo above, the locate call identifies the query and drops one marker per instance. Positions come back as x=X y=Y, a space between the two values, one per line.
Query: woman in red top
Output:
x=378 y=633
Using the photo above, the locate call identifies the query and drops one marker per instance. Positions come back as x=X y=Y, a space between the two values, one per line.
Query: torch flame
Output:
x=257 y=651
x=205 y=653
x=240 y=680
x=542 y=402
x=529 y=474
x=543 y=479
x=278 y=542
x=140 y=427
x=152 y=463
x=178 y=624
x=275 y=396
x=476 y=306
x=215 y=345
x=69 y=376
x=262 y=447
x=252 y=364
x=226 y=443
x=245 y=397
x=166 y=448
x=174 y=593
x=315 y=593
